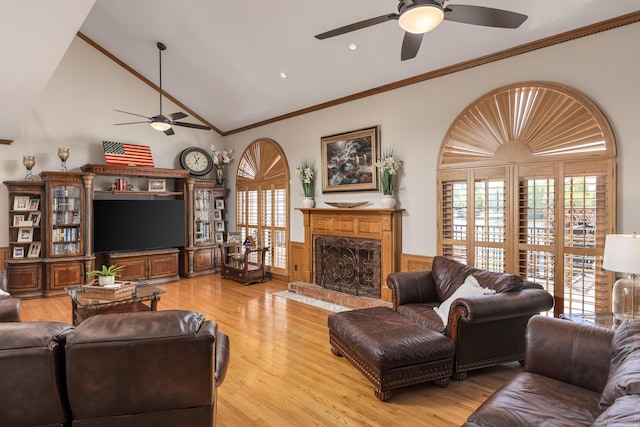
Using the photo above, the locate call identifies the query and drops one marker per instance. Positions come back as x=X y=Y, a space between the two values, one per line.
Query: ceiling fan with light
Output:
x=161 y=122
x=417 y=17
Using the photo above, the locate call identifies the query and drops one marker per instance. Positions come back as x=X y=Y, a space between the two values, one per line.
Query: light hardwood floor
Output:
x=282 y=372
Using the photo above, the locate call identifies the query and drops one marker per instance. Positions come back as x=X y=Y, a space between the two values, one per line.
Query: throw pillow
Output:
x=624 y=371
x=470 y=288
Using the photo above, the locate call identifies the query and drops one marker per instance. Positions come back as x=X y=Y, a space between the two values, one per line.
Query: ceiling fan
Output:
x=161 y=122
x=417 y=17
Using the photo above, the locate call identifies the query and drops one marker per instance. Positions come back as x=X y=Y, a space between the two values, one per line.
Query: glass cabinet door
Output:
x=203 y=216
x=66 y=211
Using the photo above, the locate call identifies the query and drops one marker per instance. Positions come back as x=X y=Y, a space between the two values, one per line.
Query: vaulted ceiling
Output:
x=224 y=59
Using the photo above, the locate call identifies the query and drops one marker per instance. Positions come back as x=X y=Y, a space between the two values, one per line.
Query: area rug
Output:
x=311 y=301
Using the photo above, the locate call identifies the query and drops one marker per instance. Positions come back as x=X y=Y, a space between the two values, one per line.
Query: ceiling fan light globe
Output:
x=421 y=18
x=160 y=126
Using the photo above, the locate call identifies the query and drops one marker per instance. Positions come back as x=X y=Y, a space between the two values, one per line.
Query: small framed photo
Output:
x=219 y=203
x=34 y=250
x=17 y=219
x=157 y=185
x=219 y=237
x=34 y=204
x=34 y=217
x=217 y=215
x=234 y=238
x=219 y=225
x=18 y=252
x=21 y=203
x=25 y=234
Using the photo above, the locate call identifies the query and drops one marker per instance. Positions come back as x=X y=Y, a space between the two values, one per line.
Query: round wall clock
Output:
x=196 y=160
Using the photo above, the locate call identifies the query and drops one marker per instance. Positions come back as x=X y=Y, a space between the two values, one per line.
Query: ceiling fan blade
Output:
x=177 y=116
x=169 y=132
x=133 y=114
x=191 y=125
x=410 y=45
x=357 y=26
x=129 y=123
x=485 y=16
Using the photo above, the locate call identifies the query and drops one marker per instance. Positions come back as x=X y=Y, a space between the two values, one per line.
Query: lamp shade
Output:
x=622 y=253
x=161 y=126
x=420 y=18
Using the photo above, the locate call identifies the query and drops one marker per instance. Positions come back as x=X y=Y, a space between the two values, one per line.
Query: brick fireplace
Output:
x=364 y=246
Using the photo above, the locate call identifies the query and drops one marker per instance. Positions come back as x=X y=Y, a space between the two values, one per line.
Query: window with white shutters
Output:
x=527 y=186
x=262 y=195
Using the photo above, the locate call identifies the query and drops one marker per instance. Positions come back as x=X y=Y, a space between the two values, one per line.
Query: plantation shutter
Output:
x=262 y=194
x=536 y=163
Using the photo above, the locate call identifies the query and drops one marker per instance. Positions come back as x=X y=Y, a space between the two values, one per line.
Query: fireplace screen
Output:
x=348 y=265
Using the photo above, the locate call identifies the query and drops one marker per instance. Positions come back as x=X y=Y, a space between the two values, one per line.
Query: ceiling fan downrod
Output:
x=161 y=47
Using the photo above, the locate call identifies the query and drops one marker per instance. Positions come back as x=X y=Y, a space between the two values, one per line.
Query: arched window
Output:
x=262 y=200
x=527 y=185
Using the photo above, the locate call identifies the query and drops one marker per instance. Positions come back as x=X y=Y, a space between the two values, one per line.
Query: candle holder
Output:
x=63 y=155
x=29 y=162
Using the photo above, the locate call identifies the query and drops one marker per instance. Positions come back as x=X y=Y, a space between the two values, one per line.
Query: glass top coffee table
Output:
x=87 y=302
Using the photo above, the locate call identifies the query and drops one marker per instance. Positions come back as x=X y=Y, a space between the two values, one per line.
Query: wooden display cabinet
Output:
x=67 y=248
x=49 y=239
x=24 y=267
x=204 y=209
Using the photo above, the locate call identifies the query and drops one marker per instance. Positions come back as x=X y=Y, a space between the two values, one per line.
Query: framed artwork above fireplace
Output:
x=349 y=160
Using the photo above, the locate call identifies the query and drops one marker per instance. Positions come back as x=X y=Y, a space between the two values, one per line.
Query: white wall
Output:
x=604 y=67
x=76 y=111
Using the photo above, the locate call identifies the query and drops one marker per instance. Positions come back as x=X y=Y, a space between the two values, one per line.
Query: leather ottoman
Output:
x=390 y=350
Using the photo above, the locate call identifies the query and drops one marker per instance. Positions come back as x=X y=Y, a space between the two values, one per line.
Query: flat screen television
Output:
x=137 y=225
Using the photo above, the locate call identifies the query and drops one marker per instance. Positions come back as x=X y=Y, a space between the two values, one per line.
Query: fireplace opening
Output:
x=348 y=264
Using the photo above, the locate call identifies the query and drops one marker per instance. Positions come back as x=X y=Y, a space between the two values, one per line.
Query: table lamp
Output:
x=622 y=255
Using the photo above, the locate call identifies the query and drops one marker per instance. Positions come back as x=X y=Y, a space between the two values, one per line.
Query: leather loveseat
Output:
x=487 y=329
x=575 y=374
x=159 y=368
x=9 y=310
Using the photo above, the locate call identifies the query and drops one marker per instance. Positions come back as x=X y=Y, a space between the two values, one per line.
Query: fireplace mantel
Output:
x=375 y=224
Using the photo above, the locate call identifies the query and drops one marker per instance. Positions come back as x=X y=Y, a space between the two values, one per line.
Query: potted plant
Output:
x=107 y=275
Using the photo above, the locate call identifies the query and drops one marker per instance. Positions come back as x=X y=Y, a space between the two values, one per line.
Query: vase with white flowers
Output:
x=220 y=160
x=305 y=173
x=388 y=167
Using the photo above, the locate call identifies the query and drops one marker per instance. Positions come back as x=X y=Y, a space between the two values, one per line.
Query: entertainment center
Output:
x=159 y=226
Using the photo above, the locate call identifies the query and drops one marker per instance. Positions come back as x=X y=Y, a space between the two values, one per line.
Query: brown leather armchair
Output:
x=487 y=329
x=145 y=369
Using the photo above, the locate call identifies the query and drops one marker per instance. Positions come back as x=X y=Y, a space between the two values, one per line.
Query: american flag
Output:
x=117 y=153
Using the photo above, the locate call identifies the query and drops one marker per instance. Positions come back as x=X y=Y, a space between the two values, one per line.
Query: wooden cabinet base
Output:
x=201 y=261
x=24 y=280
x=154 y=267
x=62 y=273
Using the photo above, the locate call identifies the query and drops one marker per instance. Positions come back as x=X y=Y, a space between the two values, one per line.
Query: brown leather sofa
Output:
x=486 y=329
x=9 y=310
x=575 y=374
x=137 y=369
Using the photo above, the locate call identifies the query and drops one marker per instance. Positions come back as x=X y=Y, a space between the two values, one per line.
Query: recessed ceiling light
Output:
x=352 y=46
x=283 y=75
